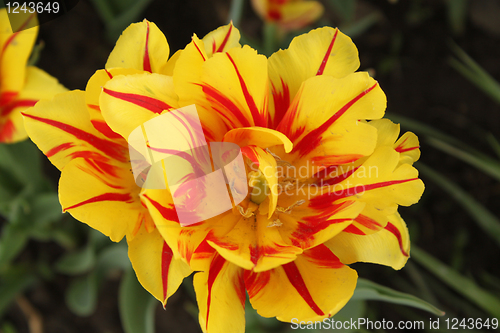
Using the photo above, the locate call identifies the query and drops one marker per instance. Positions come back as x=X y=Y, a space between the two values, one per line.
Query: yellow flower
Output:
x=21 y=86
x=325 y=173
x=96 y=185
x=288 y=14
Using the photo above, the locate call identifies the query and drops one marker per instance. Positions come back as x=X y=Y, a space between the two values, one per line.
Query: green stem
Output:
x=236 y=12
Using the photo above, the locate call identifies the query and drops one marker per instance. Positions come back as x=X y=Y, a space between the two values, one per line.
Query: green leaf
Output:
x=23 y=162
x=12 y=241
x=81 y=295
x=368 y=290
x=78 y=262
x=483 y=217
x=137 y=306
x=462 y=285
x=114 y=256
x=14 y=282
x=345 y=9
x=466 y=66
x=457 y=14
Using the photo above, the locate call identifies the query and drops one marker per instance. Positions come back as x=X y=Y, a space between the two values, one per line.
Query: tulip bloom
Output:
x=288 y=14
x=325 y=173
x=21 y=86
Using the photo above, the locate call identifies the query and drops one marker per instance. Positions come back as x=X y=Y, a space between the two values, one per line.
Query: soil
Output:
x=407 y=50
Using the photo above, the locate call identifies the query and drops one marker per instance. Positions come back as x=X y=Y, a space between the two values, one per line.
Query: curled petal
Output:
x=258 y=136
x=390 y=246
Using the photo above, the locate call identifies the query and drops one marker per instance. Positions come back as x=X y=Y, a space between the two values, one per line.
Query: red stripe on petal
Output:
x=168 y=213
x=199 y=51
x=112 y=149
x=367 y=222
x=125 y=197
x=327 y=55
x=255 y=282
x=325 y=199
x=26 y=103
x=226 y=38
x=166 y=259
x=149 y=103
x=94 y=107
x=215 y=268
x=281 y=102
x=354 y=230
x=109 y=74
x=250 y=154
x=258 y=118
x=293 y=274
x=239 y=286
x=146 y=64
x=312 y=139
x=59 y=148
x=14 y=35
x=103 y=127
x=400 y=149
x=229 y=108
x=7 y=131
x=7 y=96
x=392 y=229
x=323 y=257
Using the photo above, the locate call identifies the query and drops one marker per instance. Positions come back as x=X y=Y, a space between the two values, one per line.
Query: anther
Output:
x=288 y=210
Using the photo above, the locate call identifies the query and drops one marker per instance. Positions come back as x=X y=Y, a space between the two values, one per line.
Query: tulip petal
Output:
x=103 y=195
x=308 y=227
x=390 y=246
x=254 y=245
x=235 y=87
x=142 y=46
x=222 y=39
x=39 y=85
x=127 y=101
x=324 y=51
x=314 y=286
x=156 y=268
x=61 y=128
x=183 y=240
x=258 y=136
x=380 y=181
x=297 y=15
x=219 y=291
x=15 y=49
x=323 y=121
x=407 y=145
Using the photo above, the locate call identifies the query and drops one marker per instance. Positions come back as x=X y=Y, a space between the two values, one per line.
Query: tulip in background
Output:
x=288 y=15
x=21 y=86
x=325 y=172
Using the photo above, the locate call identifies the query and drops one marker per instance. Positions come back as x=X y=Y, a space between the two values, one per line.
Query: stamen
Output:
x=288 y=210
x=245 y=213
x=275 y=223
